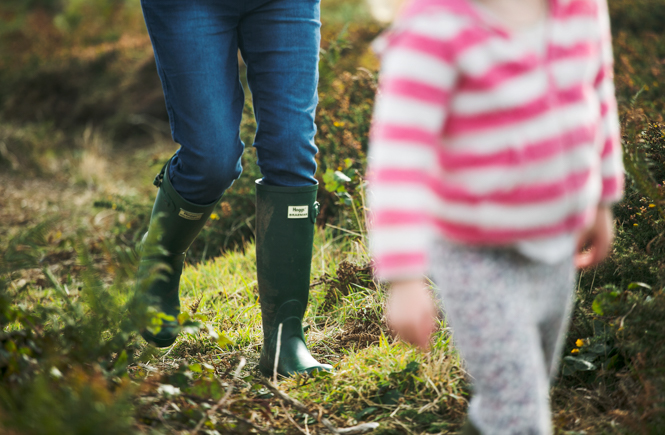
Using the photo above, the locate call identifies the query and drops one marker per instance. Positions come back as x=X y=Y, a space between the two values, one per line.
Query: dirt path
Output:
x=68 y=200
x=27 y=201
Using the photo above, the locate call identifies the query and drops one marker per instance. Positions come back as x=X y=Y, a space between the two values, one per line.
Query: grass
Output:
x=376 y=377
x=385 y=381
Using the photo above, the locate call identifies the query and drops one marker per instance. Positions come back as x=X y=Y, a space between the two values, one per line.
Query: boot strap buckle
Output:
x=316 y=207
x=159 y=179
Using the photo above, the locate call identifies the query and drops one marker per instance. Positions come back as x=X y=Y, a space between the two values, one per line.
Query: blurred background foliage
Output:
x=81 y=106
x=71 y=66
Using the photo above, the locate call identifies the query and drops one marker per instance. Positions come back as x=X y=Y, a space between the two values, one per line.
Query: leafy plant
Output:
x=63 y=366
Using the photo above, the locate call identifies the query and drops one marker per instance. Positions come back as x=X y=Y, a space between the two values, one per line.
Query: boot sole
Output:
x=158 y=341
x=268 y=373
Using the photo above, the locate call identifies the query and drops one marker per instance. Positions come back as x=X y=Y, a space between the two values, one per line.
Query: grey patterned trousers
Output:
x=509 y=316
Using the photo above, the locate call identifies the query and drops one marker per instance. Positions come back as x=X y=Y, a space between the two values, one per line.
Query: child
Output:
x=494 y=159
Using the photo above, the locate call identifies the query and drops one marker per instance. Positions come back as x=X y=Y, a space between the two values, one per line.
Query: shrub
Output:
x=65 y=349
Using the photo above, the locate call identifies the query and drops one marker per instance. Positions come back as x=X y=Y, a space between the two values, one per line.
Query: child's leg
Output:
x=496 y=302
x=554 y=301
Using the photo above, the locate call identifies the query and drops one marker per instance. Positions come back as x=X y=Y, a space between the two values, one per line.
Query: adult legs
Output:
x=494 y=301
x=195 y=47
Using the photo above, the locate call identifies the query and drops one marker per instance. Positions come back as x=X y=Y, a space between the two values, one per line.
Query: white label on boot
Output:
x=189 y=215
x=298 y=212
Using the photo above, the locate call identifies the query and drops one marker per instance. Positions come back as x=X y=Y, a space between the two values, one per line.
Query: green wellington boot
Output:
x=285 y=218
x=180 y=222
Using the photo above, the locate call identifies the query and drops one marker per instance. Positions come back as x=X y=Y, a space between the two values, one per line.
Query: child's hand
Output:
x=598 y=238
x=411 y=312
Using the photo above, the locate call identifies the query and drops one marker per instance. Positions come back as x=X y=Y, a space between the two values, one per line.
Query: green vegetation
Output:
x=83 y=131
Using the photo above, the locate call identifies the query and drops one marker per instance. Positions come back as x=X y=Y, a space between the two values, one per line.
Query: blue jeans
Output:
x=196 y=44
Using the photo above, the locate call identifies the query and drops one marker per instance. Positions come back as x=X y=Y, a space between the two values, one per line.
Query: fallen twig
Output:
x=168 y=351
x=292 y=420
x=279 y=345
x=221 y=402
x=623 y=319
x=247 y=422
x=361 y=428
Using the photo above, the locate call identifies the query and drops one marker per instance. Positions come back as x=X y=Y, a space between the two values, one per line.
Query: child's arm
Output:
x=411 y=313
x=598 y=238
x=417 y=77
x=594 y=244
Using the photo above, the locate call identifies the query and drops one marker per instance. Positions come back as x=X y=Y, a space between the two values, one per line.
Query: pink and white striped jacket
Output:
x=481 y=140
